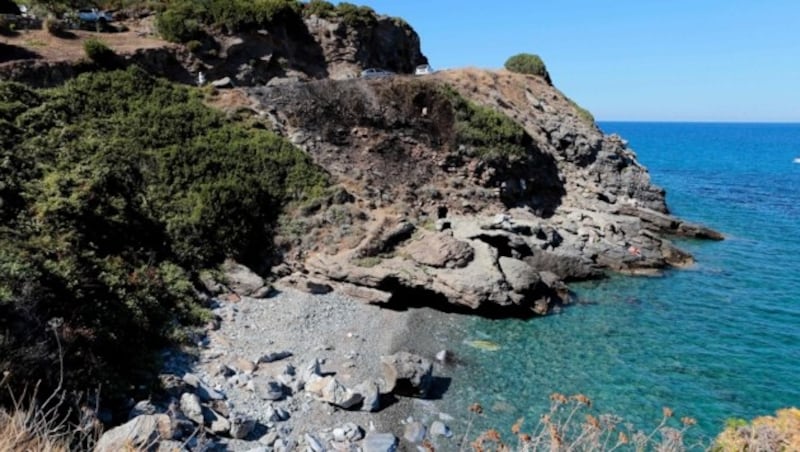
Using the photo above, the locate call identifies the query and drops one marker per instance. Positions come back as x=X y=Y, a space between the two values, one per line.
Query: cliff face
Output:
x=297 y=49
x=315 y=48
x=423 y=215
x=468 y=189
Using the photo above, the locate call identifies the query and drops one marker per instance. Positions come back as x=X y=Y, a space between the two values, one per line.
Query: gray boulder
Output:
x=438 y=428
x=519 y=275
x=267 y=389
x=202 y=390
x=370 y=392
x=241 y=425
x=140 y=433
x=242 y=280
x=216 y=422
x=348 y=433
x=330 y=390
x=440 y=250
x=407 y=374
x=379 y=442
x=191 y=408
x=414 y=432
x=142 y=407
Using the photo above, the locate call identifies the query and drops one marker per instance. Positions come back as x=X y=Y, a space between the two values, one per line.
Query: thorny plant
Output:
x=568 y=426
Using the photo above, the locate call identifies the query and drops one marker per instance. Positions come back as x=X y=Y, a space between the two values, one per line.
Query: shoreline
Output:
x=348 y=337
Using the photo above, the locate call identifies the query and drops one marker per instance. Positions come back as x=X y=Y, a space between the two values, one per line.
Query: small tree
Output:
x=528 y=63
x=98 y=52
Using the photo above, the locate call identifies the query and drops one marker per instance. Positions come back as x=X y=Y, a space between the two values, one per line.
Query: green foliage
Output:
x=353 y=15
x=183 y=20
x=97 y=51
x=527 y=63
x=117 y=189
x=486 y=132
x=194 y=46
x=319 y=8
x=583 y=113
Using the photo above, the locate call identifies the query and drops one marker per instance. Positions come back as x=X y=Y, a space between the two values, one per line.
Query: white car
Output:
x=376 y=73
x=423 y=69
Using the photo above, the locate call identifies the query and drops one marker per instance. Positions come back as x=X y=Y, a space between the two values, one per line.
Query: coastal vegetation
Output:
x=185 y=20
x=117 y=188
x=484 y=131
x=528 y=63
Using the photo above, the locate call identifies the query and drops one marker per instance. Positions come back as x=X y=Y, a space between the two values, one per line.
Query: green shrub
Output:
x=194 y=46
x=353 y=15
x=527 y=63
x=97 y=51
x=486 y=132
x=183 y=20
x=583 y=113
x=118 y=189
x=179 y=23
x=319 y=8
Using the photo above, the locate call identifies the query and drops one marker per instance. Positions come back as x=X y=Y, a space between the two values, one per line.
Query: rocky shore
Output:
x=301 y=371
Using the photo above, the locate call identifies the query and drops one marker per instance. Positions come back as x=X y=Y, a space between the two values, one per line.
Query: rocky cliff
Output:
x=468 y=189
x=426 y=213
x=296 y=49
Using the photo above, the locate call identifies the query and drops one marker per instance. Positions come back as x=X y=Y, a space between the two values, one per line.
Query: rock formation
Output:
x=425 y=214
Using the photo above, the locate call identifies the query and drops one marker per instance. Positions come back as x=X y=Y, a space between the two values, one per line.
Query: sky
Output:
x=645 y=60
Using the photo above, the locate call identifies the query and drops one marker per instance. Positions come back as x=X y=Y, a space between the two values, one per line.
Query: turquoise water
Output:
x=719 y=340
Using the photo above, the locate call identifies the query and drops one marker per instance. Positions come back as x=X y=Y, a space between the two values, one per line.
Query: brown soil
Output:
x=47 y=47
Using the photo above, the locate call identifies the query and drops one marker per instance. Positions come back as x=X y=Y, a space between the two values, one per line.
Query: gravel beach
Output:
x=347 y=337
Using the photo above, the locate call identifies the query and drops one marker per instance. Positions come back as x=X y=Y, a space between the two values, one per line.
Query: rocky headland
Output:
x=463 y=192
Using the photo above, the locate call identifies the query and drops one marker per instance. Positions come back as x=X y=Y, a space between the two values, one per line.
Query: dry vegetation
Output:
x=53 y=48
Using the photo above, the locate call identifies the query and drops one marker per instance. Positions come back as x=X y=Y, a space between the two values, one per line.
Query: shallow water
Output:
x=718 y=340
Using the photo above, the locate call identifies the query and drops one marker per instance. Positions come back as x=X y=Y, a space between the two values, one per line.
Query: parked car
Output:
x=94 y=15
x=424 y=69
x=376 y=73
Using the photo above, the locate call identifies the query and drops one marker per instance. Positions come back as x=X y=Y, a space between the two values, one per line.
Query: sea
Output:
x=716 y=341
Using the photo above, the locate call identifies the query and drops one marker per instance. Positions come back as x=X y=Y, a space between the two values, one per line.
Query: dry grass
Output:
x=17 y=434
x=32 y=423
x=54 y=48
x=569 y=426
x=766 y=433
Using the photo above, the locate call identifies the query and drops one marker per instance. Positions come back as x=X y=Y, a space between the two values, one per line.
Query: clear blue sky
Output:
x=694 y=60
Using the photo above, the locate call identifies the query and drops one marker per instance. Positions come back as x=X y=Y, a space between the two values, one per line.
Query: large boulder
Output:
x=379 y=442
x=330 y=390
x=141 y=433
x=407 y=374
x=440 y=250
x=191 y=408
x=520 y=276
x=243 y=281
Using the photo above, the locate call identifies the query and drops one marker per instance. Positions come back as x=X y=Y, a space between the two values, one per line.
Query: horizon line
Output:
x=700 y=121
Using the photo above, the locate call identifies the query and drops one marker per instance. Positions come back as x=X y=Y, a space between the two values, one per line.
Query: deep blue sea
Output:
x=715 y=341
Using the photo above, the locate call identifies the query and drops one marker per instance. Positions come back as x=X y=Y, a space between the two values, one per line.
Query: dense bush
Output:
x=97 y=51
x=527 y=63
x=117 y=189
x=180 y=22
x=319 y=8
x=353 y=15
x=486 y=132
x=183 y=20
